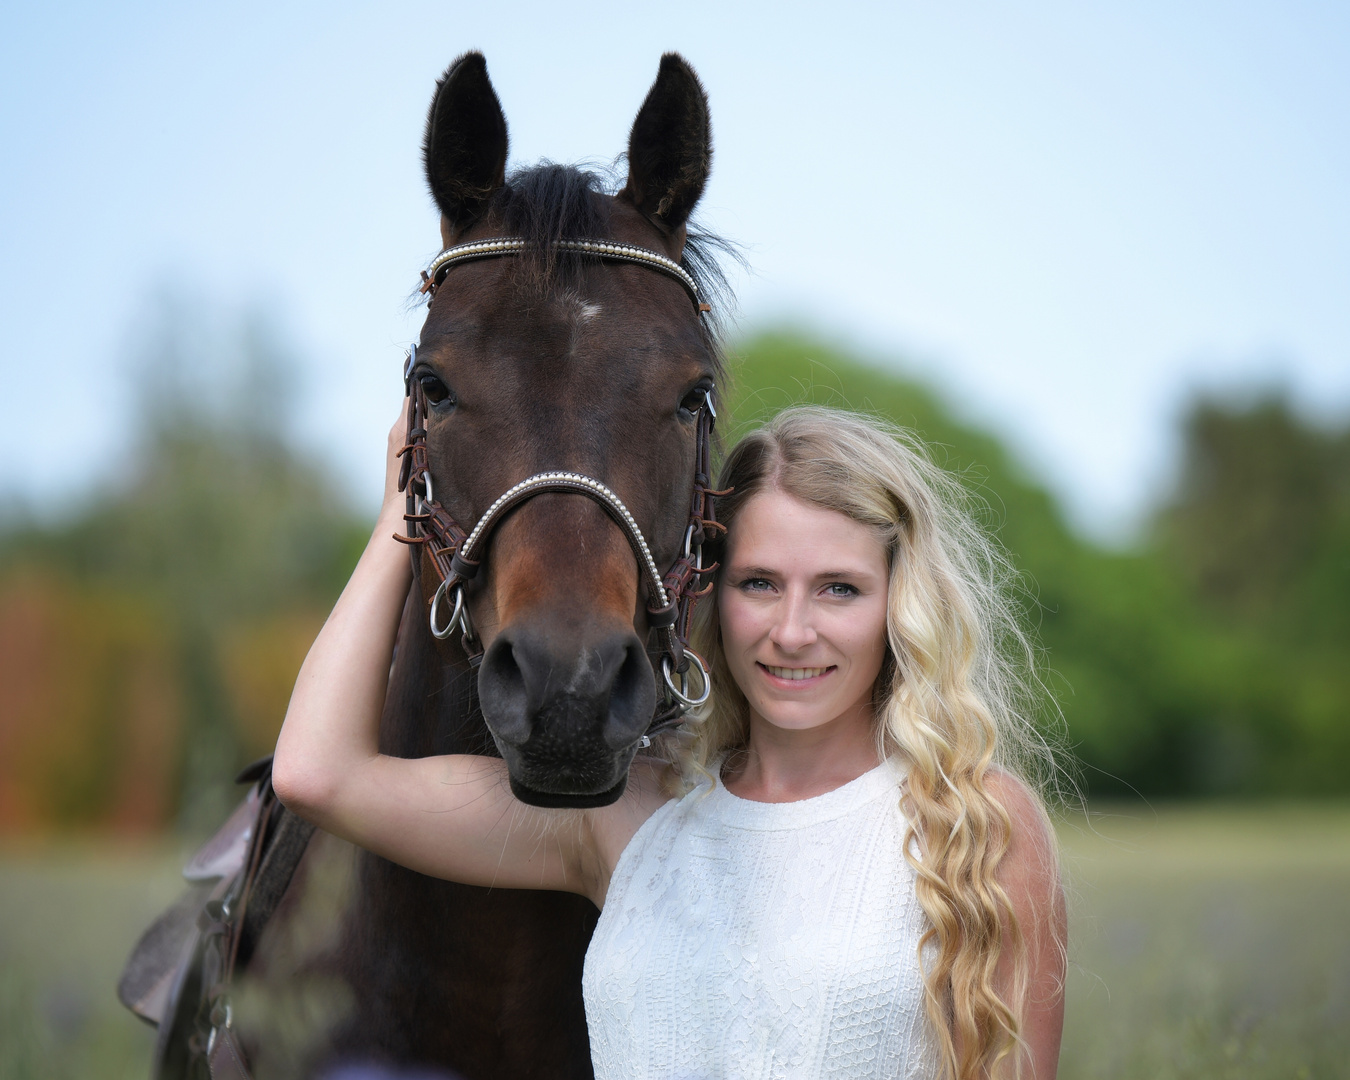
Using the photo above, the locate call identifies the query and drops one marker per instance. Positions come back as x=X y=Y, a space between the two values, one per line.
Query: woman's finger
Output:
x=393 y=463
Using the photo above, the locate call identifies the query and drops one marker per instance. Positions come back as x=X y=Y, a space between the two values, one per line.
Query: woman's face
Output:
x=802 y=605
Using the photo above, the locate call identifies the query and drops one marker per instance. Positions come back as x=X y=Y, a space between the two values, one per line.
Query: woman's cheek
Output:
x=741 y=621
x=866 y=644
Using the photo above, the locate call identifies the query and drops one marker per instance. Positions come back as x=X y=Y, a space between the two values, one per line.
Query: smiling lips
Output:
x=795 y=673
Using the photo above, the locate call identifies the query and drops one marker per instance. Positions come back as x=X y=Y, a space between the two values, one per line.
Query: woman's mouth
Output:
x=795 y=674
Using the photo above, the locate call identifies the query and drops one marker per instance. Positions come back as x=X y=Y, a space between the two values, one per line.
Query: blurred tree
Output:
x=1263 y=499
x=221 y=525
x=1258 y=534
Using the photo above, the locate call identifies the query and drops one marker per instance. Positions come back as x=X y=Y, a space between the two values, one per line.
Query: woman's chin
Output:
x=796 y=716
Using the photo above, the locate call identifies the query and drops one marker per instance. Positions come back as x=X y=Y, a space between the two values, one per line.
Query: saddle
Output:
x=181 y=971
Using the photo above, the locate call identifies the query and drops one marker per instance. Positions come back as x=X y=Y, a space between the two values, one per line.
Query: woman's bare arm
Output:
x=454 y=816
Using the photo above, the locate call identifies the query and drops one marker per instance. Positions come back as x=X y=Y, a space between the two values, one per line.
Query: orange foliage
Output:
x=90 y=707
x=259 y=663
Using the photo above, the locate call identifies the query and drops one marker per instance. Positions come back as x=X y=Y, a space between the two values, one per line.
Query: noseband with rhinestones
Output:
x=457 y=555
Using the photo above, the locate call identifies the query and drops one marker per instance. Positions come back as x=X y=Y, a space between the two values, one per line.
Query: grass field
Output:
x=1209 y=942
x=1206 y=942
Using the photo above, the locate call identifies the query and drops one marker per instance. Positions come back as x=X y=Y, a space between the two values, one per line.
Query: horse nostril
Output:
x=502 y=692
x=632 y=697
x=533 y=689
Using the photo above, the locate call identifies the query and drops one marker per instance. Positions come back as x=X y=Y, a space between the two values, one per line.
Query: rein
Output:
x=456 y=554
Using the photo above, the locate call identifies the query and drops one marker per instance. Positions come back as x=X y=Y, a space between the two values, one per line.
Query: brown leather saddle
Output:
x=181 y=971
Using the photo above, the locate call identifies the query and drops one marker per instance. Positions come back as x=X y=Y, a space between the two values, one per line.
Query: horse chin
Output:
x=542 y=776
x=554 y=800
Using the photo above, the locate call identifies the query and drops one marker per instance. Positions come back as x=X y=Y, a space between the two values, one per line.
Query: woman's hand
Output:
x=393 y=503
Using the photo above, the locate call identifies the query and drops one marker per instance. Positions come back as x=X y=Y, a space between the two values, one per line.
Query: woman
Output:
x=839 y=870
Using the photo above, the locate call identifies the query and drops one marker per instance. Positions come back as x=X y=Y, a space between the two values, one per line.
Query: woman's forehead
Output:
x=776 y=530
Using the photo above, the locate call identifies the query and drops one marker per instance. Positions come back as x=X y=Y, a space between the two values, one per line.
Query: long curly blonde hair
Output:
x=955 y=700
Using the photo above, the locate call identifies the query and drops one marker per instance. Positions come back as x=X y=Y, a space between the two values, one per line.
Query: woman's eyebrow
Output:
x=857 y=578
x=766 y=571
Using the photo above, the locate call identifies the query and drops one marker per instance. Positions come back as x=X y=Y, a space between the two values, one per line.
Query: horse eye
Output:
x=695 y=399
x=435 y=390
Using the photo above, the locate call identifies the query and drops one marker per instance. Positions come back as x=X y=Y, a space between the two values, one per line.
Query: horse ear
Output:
x=464 y=149
x=670 y=146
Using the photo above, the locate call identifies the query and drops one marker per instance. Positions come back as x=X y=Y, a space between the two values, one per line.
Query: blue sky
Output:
x=1068 y=217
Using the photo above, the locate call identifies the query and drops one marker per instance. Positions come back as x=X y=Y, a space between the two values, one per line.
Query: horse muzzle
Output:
x=567 y=716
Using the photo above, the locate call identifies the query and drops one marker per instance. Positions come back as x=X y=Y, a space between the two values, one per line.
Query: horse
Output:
x=570 y=349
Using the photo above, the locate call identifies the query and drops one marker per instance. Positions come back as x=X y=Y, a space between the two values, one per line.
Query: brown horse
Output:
x=548 y=360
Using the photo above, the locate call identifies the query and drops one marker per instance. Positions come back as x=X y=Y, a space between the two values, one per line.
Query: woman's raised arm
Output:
x=452 y=817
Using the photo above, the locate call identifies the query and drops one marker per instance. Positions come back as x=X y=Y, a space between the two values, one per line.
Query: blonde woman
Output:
x=843 y=869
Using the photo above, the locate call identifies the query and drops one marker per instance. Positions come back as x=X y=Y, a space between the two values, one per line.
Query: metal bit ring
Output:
x=456 y=616
x=681 y=693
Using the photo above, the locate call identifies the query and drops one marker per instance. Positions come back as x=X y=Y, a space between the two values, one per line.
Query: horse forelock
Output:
x=547 y=202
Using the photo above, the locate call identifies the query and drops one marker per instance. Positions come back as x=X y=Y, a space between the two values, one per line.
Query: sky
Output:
x=1067 y=217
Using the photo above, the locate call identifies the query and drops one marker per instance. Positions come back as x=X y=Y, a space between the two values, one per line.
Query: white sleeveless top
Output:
x=746 y=940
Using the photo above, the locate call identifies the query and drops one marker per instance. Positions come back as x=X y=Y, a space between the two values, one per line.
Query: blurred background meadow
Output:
x=1097 y=259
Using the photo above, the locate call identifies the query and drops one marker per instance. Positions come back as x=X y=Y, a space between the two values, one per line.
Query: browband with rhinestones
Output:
x=605 y=249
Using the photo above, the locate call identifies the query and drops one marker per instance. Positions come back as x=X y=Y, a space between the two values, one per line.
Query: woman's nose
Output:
x=793 y=630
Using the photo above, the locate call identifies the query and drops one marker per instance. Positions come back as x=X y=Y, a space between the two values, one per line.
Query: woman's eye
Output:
x=838 y=588
x=755 y=584
x=435 y=390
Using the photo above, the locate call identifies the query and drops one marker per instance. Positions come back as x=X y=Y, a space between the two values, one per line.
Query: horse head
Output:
x=555 y=360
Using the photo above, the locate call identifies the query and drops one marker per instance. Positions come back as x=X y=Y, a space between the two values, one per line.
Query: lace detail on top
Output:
x=746 y=940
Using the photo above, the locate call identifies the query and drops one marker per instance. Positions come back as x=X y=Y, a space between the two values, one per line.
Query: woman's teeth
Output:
x=796 y=672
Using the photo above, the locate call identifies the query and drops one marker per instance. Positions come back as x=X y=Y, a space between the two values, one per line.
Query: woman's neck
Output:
x=784 y=765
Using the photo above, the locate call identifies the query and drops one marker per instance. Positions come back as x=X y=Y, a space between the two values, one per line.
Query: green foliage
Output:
x=1164 y=688
x=219 y=516
x=1258 y=534
x=1261 y=519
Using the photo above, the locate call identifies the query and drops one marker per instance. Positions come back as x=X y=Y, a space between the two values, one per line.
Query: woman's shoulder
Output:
x=1025 y=808
x=1032 y=857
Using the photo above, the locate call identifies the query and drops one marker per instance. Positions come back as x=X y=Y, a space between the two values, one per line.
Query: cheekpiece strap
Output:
x=604 y=249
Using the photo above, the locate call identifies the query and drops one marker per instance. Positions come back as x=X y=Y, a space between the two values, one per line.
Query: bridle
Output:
x=456 y=555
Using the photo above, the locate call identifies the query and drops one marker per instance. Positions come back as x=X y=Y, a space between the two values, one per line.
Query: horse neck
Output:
x=431 y=706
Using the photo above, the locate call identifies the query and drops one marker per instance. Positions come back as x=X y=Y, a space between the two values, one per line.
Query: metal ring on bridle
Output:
x=456 y=616
x=681 y=693
x=690 y=549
